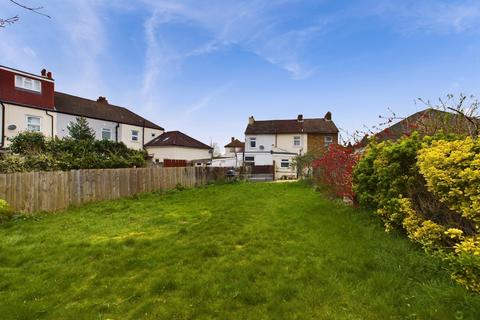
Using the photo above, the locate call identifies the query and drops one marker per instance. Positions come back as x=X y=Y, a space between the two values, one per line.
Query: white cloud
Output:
x=250 y=25
x=205 y=100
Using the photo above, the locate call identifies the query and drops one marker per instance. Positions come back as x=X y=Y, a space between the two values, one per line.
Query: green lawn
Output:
x=242 y=251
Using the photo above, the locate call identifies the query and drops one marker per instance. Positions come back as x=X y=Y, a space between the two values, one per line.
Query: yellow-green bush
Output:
x=430 y=189
x=6 y=212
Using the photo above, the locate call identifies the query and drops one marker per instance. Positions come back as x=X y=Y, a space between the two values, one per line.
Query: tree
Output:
x=8 y=21
x=80 y=130
x=303 y=164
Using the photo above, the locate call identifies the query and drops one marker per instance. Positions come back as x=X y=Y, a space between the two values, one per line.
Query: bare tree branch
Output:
x=8 y=21
x=33 y=9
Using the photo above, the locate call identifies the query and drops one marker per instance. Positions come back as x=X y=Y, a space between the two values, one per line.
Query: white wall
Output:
x=63 y=120
x=17 y=115
x=265 y=140
x=178 y=153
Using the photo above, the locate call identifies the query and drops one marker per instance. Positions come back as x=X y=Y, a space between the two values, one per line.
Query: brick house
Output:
x=277 y=142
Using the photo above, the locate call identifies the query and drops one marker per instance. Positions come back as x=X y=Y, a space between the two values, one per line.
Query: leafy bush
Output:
x=335 y=170
x=6 y=212
x=32 y=152
x=430 y=189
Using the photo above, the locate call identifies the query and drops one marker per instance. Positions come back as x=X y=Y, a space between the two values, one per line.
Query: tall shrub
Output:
x=335 y=170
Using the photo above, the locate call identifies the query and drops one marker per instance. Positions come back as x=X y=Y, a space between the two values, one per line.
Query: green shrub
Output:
x=428 y=188
x=6 y=212
x=28 y=143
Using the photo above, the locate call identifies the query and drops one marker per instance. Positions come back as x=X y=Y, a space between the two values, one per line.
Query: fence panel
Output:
x=31 y=192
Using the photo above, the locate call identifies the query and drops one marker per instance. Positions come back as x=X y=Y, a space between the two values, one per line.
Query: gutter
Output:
x=51 y=117
x=2 y=140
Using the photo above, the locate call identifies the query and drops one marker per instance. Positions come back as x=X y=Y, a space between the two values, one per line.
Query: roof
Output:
x=78 y=106
x=319 y=125
x=235 y=144
x=176 y=138
x=426 y=122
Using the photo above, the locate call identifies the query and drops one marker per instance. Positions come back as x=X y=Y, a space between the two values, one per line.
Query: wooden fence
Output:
x=53 y=191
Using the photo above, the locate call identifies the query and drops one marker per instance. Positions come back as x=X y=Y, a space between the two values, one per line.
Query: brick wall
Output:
x=316 y=143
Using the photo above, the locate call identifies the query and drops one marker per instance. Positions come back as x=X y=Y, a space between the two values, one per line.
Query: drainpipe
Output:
x=116 y=131
x=143 y=135
x=51 y=117
x=2 y=140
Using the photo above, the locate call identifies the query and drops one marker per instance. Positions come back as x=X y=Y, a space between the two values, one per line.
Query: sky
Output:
x=204 y=66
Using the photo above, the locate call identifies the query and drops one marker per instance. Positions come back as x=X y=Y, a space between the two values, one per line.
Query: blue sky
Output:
x=203 y=67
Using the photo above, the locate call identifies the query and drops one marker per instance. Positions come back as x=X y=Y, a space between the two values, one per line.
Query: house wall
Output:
x=230 y=152
x=316 y=142
x=285 y=142
x=177 y=153
x=17 y=115
x=12 y=94
x=63 y=120
x=282 y=173
x=265 y=140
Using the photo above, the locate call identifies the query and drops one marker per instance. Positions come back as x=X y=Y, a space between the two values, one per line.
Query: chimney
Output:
x=102 y=100
x=233 y=139
x=300 y=118
x=49 y=75
x=44 y=72
x=251 y=120
x=328 y=116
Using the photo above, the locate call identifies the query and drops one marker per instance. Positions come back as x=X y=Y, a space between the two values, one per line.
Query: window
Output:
x=28 y=84
x=296 y=141
x=134 y=135
x=253 y=142
x=106 y=134
x=328 y=140
x=285 y=163
x=33 y=123
x=250 y=160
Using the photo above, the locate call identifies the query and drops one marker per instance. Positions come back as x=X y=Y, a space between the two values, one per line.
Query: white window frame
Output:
x=29 y=124
x=297 y=141
x=283 y=162
x=328 y=140
x=29 y=84
x=252 y=161
x=135 y=137
x=254 y=141
x=105 y=130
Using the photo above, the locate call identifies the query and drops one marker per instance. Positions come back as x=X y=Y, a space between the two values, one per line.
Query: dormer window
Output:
x=25 y=83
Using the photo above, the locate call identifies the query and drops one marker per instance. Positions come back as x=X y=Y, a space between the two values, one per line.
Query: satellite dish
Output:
x=261 y=147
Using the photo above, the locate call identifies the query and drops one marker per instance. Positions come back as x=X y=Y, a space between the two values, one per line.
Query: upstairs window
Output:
x=106 y=134
x=296 y=141
x=253 y=142
x=28 y=84
x=33 y=123
x=328 y=140
x=285 y=163
x=134 y=135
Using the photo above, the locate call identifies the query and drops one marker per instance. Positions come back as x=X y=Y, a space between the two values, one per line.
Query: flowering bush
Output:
x=335 y=170
x=430 y=189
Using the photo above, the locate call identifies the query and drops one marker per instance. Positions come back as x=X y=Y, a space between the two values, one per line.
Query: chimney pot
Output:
x=102 y=100
x=233 y=139
x=49 y=75
x=300 y=118
x=328 y=116
x=251 y=120
x=44 y=72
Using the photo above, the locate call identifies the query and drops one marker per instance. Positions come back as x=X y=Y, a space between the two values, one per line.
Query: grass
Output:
x=241 y=251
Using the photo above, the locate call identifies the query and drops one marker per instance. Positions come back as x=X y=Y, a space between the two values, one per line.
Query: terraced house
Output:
x=30 y=102
x=276 y=142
